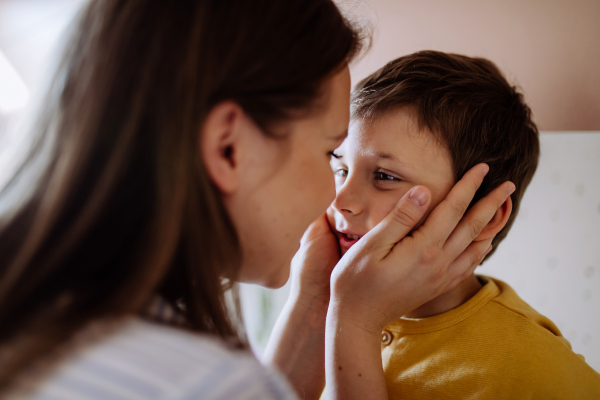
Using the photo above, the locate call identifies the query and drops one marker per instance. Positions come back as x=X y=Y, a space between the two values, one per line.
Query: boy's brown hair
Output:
x=470 y=108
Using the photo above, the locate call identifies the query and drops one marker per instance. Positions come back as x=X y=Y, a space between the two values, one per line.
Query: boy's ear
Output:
x=497 y=222
x=220 y=145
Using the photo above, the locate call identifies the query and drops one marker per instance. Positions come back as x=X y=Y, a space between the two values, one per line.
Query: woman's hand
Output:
x=312 y=265
x=386 y=275
x=297 y=345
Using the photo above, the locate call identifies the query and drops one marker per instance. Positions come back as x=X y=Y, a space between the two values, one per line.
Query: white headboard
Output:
x=551 y=256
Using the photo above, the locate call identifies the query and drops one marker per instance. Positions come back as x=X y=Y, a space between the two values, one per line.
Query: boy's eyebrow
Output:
x=389 y=156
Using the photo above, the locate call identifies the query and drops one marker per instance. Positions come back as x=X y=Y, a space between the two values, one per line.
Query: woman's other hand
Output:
x=297 y=345
x=313 y=263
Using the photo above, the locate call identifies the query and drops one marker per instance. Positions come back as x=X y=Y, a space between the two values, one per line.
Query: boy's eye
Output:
x=340 y=172
x=381 y=176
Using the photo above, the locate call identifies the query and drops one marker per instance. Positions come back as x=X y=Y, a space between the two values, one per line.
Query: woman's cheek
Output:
x=324 y=187
x=311 y=195
x=329 y=189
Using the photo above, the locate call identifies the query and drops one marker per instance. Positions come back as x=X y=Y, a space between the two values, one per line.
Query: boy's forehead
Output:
x=395 y=142
x=391 y=133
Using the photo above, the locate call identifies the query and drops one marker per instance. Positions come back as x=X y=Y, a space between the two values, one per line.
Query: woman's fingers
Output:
x=317 y=229
x=398 y=223
x=466 y=263
x=444 y=218
x=476 y=219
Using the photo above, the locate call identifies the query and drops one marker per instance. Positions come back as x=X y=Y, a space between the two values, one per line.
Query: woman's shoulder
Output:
x=144 y=360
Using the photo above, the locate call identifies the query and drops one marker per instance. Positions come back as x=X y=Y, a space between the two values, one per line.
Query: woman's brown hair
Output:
x=113 y=204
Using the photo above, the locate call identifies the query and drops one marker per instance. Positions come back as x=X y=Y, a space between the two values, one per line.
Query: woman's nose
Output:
x=348 y=198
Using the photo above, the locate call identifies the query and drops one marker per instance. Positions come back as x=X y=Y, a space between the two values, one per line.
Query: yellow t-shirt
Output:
x=495 y=346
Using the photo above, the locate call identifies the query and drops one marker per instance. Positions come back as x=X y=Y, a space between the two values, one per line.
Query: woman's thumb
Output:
x=401 y=220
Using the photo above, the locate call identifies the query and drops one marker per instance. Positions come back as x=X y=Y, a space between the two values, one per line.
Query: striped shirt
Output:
x=143 y=360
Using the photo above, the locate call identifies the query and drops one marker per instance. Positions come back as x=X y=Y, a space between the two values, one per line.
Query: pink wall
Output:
x=550 y=48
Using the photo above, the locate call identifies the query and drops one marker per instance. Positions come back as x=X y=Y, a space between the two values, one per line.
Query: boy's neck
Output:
x=449 y=300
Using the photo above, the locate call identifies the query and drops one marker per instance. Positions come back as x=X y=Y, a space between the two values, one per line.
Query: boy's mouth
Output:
x=348 y=240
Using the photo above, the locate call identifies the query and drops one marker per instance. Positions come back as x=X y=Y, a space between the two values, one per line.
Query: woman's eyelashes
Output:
x=332 y=154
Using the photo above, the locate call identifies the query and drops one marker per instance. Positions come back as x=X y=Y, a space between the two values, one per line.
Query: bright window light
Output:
x=13 y=92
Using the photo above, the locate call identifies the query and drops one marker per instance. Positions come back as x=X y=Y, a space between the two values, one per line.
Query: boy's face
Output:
x=378 y=163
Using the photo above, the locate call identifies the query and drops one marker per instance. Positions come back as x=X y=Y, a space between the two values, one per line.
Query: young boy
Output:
x=425 y=119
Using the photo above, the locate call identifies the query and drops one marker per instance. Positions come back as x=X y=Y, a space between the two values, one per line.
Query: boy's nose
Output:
x=348 y=200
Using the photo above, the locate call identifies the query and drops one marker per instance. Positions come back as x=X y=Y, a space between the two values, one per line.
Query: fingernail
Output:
x=485 y=170
x=511 y=189
x=418 y=196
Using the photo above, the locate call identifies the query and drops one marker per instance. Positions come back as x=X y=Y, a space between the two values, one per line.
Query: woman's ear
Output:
x=220 y=145
x=497 y=222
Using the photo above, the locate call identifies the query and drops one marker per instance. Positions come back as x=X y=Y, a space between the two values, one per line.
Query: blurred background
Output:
x=549 y=48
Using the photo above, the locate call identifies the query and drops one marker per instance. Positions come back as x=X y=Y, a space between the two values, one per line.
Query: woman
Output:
x=184 y=146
